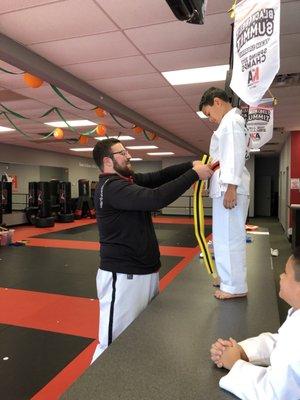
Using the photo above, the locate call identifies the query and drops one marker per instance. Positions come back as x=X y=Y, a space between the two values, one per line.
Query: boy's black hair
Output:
x=103 y=149
x=209 y=95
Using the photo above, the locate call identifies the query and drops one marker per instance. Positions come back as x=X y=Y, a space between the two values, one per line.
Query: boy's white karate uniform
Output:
x=281 y=353
x=229 y=145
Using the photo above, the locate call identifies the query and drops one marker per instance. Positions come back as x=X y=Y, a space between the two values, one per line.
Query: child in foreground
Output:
x=267 y=367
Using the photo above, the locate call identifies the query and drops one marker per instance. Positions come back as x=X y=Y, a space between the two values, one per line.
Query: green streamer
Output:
x=13 y=112
x=24 y=133
x=10 y=72
x=59 y=93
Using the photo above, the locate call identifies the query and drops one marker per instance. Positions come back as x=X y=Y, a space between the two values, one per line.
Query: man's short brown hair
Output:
x=103 y=149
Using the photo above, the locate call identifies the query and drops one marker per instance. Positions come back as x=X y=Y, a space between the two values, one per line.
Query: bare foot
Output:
x=216 y=281
x=219 y=294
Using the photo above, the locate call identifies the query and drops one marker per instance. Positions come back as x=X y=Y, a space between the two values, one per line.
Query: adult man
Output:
x=229 y=189
x=128 y=276
x=267 y=366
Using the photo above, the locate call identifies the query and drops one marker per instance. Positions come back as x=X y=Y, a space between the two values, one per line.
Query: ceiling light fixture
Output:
x=5 y=129
x=162 y=153
x=83 y=149
x=197 y=75
x=122 y=138
x=141 y=147
x=136 y=159
x=78 y=122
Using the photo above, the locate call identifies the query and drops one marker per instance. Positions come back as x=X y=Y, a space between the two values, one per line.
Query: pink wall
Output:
x=295 y=164
x=295 y=168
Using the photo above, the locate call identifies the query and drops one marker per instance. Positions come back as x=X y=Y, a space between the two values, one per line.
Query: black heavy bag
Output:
x=83 y=187
x=6 y=197
x=32 y=194
x=65 y=214
x=43 y=197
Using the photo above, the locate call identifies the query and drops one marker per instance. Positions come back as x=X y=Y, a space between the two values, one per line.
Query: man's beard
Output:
x=125 y=170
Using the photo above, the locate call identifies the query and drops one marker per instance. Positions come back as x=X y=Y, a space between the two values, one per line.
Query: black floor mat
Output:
x=167 y=234
x=34 y=358
x=59 y=271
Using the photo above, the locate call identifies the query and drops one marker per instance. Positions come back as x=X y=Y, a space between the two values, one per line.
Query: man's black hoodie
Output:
x=124 y=205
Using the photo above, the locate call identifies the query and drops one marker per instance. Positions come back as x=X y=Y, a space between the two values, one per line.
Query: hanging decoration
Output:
x=137 y=130
x=150 y=136
x=100 y=112
x=119 y=123
x=231 y=11
x=259 y=123
x=83 y=139
x=58 y=133
x=101 y=130
x=11 y=72
x=32 y=80
x=256 y=58
x=35 y=82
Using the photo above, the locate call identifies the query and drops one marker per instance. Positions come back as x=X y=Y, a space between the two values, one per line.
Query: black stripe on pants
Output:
x=112 y=306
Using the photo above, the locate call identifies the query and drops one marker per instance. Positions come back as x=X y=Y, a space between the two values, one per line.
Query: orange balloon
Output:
x=32 y=81
x=100 y=112
x=137 y=129
x=83 y=139
x=101 y=130
x=58 y=133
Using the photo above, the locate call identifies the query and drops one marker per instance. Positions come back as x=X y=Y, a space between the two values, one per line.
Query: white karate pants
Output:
x=122 y=298
x=229 y=241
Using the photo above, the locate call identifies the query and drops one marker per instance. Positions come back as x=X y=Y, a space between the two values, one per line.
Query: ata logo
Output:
x=253 y=76
x=255 y=136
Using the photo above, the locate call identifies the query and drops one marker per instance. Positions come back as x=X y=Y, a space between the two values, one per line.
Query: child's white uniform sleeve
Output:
x=281 y=379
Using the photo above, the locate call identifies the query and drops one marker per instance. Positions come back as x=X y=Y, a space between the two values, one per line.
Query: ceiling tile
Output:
x=146 y=94
x=179 y=36
x=114 y=68
x=133 y=13
x=196 y=88
x=191 y=58
x=290 y=45
x=289 y=18
x=86 y=49
x=56 y=21
x=290 y=65
x=218 y=6
x=9 y=5
x=151 y=103
x=166 y=110
x=129 y=82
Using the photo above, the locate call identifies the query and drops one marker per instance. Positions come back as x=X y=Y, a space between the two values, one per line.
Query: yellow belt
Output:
x=199 y=223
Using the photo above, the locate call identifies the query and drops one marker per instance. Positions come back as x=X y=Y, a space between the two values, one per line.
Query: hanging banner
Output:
x=259 y=123
x=255 y=48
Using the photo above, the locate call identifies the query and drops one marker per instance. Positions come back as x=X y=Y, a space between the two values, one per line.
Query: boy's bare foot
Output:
x=219 y=294
x=216 y=282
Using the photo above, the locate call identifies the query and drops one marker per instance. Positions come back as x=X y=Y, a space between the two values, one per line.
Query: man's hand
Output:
x=203 y=171
x=217 y=349
x=230 y=197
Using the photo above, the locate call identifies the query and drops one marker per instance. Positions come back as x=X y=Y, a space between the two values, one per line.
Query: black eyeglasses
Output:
x=122 y=152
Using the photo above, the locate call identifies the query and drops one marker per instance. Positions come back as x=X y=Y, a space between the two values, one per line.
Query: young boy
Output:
x=229 y=189
x=267 y=367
